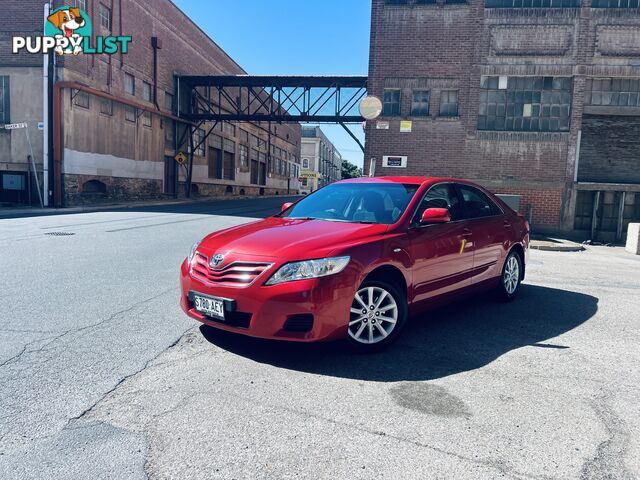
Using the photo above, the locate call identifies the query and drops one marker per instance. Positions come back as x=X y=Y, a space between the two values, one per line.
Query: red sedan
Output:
x=355 y=259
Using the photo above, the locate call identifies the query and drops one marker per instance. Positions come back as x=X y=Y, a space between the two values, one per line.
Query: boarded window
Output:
x=529 y=104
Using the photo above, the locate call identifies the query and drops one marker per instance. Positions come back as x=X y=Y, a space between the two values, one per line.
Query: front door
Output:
x=442 y=253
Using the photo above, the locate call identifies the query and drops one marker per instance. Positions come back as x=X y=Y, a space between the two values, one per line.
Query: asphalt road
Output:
x=102 y=376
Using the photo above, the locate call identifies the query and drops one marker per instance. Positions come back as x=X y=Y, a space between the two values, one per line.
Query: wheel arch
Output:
x=389 y=273
x=519 y=249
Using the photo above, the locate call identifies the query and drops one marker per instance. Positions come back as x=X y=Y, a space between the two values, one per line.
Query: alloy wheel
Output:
x=374 y=315
x=511 y=275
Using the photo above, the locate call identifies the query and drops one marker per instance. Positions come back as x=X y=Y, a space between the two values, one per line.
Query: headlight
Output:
x=309 y=269
x=192 y=252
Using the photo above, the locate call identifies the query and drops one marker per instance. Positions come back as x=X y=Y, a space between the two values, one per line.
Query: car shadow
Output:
x=452 y=339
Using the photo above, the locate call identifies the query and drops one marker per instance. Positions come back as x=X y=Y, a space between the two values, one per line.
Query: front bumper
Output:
x=267 y=311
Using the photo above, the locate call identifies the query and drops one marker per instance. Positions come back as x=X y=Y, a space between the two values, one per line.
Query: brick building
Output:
x=537 y=98
x=321 y=160
x=117 y=132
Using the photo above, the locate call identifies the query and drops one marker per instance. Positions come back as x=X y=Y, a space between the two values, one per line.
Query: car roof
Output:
x=407 y=180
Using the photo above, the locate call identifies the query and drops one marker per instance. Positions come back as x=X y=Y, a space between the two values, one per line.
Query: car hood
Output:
x=292 y=239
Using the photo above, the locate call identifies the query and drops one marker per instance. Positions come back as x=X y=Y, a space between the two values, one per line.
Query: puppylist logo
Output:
x=68 y=31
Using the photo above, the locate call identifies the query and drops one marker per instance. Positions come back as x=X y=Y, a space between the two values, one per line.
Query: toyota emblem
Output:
x=216 y=260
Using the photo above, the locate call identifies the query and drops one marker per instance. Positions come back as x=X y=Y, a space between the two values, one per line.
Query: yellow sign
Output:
x=406 y=126
x=180 y=158
x=310 y=175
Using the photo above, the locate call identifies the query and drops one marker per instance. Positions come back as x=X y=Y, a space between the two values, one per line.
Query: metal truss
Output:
x=278 y=99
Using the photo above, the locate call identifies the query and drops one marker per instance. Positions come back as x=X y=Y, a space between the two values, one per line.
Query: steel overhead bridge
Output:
x=265 y=99
x=282 y=99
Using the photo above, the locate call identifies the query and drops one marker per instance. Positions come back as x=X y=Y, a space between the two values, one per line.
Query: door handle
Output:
x=466 y=232
x=507 y=224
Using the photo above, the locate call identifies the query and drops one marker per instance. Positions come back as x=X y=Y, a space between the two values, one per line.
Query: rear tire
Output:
x=511 y=277
x=377 y=315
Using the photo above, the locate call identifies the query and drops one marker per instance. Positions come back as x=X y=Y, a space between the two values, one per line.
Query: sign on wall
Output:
x=406 y=126
x=394 y=162
x=310 y=175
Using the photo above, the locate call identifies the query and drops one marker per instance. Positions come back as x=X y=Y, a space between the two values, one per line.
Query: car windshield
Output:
x=381 y=203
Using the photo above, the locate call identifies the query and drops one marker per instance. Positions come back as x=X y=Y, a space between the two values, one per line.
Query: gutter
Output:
x=58 y=141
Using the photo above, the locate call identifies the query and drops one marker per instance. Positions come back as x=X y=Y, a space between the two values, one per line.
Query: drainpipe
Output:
x=45 y=118
x=58 y=142
x=156 y=43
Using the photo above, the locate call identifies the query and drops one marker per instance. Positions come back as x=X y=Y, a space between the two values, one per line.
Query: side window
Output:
x=477 y=204
x=441 y=196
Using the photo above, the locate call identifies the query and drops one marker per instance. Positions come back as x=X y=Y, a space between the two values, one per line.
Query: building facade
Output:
x=321 y=160
x=534 y=98
x=114 y=131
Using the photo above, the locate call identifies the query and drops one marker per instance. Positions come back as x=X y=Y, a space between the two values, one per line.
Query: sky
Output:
x=292 y=37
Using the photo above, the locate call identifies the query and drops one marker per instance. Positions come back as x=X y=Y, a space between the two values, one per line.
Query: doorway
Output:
x=170 y=175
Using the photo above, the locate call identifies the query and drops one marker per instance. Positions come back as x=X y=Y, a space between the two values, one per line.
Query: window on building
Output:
x=147 y=119
x=130 y=114
x=4 y=99
x=619 y=92
x=244 y=136
x=106 y=106
x=532 y=3
x=169 y=134
x=309 y=132
x=391 y=103
x=615 y=4
x=229 y=159
x=168 y=101
x=305 y=163
x=529 y=104
x=146 y=91
x=215 y=159
x=304 y=182
x=104 y=13
x=129 y=84
x=199 y=143
x=81 y=4
x=420 y=103
x=80 y=98
x=244 y=156
x=449 y=103
x=229 y=129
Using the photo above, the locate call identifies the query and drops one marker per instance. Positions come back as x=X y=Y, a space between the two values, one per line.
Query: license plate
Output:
x=211 y=307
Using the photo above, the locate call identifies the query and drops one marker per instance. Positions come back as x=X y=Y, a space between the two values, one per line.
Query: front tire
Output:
x=377 y=315
x=511 y=277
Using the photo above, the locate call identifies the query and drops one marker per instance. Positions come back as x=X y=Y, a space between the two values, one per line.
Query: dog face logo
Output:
x=69 y=21
x=68 y=31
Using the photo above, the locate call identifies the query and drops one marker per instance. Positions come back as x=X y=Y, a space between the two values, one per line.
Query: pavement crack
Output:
x=89 y=409
x=110 y=317
x=608 y=460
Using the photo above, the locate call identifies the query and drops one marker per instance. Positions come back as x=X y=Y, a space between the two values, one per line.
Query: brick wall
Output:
x=610 y=149
x=20 y=18
x=441 y=46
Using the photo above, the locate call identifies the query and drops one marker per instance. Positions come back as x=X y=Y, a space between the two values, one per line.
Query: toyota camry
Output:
x=355 y=260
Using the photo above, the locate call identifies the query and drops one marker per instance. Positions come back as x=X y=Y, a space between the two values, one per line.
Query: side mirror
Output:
x=435 y=215
x=286 y=206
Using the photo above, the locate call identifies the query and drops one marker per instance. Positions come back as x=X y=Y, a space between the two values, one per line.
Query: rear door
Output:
x=490 y=231
x=442 y=253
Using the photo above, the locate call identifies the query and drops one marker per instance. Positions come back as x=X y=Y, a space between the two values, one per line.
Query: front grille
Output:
x=299 y=323
x=234 y=274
